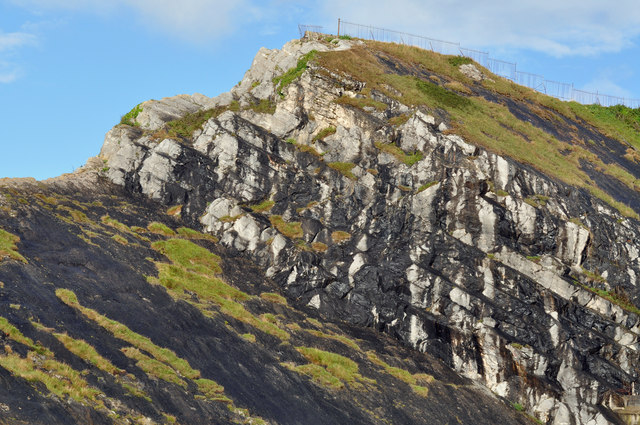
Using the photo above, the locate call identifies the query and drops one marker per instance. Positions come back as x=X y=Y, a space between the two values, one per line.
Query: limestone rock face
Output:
x=465 y=254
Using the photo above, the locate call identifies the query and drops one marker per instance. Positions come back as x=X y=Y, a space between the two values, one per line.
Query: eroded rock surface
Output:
x=467 y=255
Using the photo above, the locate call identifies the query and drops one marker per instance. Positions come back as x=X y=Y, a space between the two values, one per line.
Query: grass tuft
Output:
x=399 y=154
x=282 y=81
x=340 y=236
x=8 y=247
x=291 y=230
x=263 y=206
x=160 y=229
x=325 y=132
x=130 y=117
x=344 y=168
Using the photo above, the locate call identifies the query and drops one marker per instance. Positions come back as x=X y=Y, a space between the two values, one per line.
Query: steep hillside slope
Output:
x=478 y=222
x=416 y=193
x=111 y=311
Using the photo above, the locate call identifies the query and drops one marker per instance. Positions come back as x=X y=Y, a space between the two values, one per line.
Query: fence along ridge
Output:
x=508 y=70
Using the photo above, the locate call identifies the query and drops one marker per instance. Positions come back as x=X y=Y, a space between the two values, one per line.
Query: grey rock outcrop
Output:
x=468 y=255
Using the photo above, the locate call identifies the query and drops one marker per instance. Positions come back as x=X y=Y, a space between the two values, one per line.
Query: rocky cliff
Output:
x=490 y=229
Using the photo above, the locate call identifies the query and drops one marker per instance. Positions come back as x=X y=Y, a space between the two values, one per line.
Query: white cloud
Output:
x=10 y=43
x=8 y=72
x=559 y=28
x=13 y=40
x=194 y=20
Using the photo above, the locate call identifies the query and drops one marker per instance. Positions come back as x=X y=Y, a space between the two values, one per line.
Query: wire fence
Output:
x=302 y=29
x=563 y=91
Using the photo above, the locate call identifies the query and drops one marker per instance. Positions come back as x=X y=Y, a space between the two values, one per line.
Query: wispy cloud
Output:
x=9 y=72
x=559 y=28
x=194 y=20
x=14 y=40
x=10 y=44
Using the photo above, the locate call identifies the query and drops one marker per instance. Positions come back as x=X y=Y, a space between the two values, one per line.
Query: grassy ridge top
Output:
x=574 y=143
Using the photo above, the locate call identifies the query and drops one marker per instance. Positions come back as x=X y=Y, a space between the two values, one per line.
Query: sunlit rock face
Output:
x=464 y=254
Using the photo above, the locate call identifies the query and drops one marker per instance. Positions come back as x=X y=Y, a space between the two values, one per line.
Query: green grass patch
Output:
x=211 y=390
x=340 y=367
x=120 y=239
x=408 y=158
x=345 y=37
x=427 y=186
x=112 y=222
x=188 y=233
x=318 y=374
x=15 y=334
x=264 y=106
x=183 y=128
x=130 y=117
x=309 y=149
x=325 y=132
x=153 y=367
x=263 y=206
x=160 y=229
x=282 y=81
x=344 y=168
x=456 y=61
x=398 y=120
x=413 y=379
x=176 y=210
x=8 y=247
x=291 y=230
x=230 y=218
x=442 y=97
x=87 y=353
x=617 y=296
x=340 y=236
x=77 y=215
x=192 y=270
x=122 y=332
x=319 y=246
x=190 y=256
x=249 y=337
x=340 y=338
x=59 y=378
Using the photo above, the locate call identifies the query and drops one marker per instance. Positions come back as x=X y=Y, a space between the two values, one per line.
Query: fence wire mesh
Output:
x=563 y=91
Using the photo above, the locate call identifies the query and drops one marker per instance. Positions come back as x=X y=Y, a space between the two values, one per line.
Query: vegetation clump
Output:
x=427 y=186
x=412 y=379
x=190 y=256
x=160 y=229
x=282 y=81
x=456 y=61
x=325 y=132
x=263 y=206
x=8 y=247
x=399 y=154
x=183 y=128
x=130 y=117
x=329 y=369
x=188 y=233
x=137 y=340
x=344 y=168
x=340 y=236
x=291 y=230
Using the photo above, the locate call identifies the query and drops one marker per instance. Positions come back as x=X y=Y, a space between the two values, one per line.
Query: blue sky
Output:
x=70 y=68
